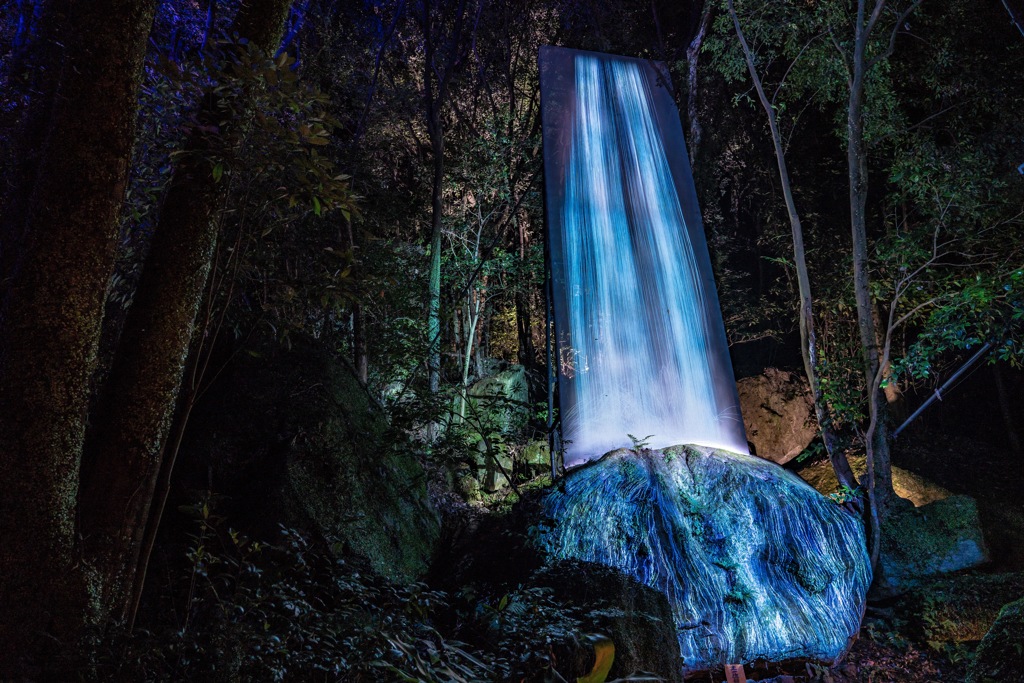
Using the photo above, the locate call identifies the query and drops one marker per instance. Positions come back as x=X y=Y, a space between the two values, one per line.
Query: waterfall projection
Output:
x=641 y=343
x=754 y=562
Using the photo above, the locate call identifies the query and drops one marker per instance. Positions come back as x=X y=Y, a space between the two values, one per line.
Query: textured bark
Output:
x=143 y=388
x=693 y=83
x=52 y=319
x=876 y=441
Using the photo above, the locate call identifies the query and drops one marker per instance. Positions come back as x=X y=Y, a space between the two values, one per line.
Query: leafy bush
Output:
x=290 y=610
x=236 y=609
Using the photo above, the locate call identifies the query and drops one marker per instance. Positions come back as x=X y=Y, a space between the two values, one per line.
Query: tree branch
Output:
x=895 y=30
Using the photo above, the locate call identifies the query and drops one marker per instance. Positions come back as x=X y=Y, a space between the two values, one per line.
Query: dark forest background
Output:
x=233 y=233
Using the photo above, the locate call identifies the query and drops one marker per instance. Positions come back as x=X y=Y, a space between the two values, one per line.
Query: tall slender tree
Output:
x=859 y=63
x=447 y=29
x=808 y=338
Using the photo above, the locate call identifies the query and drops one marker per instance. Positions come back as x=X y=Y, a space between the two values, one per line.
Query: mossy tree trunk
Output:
x=71 y=532
x=444 y=54
x=52 y=317
x=143 y=388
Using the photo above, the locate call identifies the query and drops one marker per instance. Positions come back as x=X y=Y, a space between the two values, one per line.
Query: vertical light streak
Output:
x=638 y=313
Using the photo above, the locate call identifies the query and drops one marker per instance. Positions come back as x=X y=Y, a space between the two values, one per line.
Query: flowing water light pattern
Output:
x=754 y=562
x=643 y=345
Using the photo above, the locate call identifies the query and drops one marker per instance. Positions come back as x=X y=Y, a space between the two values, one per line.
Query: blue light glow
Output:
x=755 y=563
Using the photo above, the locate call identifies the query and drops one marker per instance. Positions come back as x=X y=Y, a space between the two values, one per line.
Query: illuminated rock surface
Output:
x=778 y=414
x=755 y=563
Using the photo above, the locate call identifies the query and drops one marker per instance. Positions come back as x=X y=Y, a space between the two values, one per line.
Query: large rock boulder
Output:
x=1000 y=653
x=499 y=402
x=293 y=438
x=921 y=542
x=927 y=533
x=496 y=408
x=778 y=412
x=636 y=618
x=755 y=563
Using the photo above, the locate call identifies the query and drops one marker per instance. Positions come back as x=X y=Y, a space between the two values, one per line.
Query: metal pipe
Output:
x=938 y=392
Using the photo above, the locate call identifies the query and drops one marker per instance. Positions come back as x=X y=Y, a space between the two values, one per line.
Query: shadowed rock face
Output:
x=938 y=538
x=755 y=563
x=999 y=654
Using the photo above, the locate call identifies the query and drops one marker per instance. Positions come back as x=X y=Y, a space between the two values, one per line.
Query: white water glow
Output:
x=640 y=356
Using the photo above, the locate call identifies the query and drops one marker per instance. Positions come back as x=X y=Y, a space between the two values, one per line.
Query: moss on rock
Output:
x=959 y=608
x=919 y=542
x=295 y=438
x=999 y=656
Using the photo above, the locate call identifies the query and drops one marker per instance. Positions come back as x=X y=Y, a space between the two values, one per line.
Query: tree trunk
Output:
x=434 y=283
x=692 y=82
x=879 y=464
x=145 y=380
x=1006 y=410
x=808 y=339
x=435 y=99
x=360 y=353
x=54 y=310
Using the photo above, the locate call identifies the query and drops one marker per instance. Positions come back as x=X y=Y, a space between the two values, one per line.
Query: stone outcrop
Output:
x=778 y=413
x=960 y=608
x=921 y=542
x=636 y=618
x=497 y=407
x=755 y=563
x=909 y=486
x=499 y=402
x=1000 y=653
x=292 y=436
x=928 y=532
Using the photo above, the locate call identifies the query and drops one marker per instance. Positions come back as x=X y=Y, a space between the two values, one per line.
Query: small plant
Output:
x=888 y=632
x=844 y=494
x=640 y=442
x=812 y=452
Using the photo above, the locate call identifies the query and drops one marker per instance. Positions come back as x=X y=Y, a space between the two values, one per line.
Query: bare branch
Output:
x=895 y=30
x=1015 y=18
x=875 y=14
x=782 y=82
x=842 y=57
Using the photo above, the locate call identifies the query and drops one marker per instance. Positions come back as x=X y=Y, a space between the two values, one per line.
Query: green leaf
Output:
x=317 y=209
x=218 y=172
